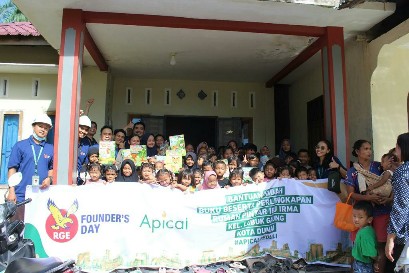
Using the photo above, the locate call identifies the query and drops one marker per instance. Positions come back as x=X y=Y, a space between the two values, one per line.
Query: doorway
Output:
x=10 y=137
x=315 y=121
x=196 y=129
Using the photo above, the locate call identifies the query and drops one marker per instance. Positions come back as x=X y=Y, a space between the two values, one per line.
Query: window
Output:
x=35 y=87
x=128 y=95
x=148 y=96
x=234 y=99
x=167 y=96
x=4 y=87
x=252 y=100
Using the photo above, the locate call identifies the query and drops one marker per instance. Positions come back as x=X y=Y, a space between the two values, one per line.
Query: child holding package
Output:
x=364 y=250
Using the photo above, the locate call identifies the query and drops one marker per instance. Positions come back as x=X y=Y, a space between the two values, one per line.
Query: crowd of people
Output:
x=207 y=168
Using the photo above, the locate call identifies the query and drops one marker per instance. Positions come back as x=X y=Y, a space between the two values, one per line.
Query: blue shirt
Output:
x=22 y=159
x=88 y=142
x=82 y=159
x=352 y=180
x=399 y=220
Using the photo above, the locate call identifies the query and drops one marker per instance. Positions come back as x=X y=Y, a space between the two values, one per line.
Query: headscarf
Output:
x=201 y=144
x=134 y=176
x=151 y=151
x=282 y=154
x=194 y=157
x=206 y=178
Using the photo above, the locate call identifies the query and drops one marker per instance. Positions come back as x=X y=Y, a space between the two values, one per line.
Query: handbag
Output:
x=334 y=181
x=343 y=216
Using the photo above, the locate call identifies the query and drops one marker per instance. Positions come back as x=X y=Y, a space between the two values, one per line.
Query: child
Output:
x=312 y=174
x=220 y=169
x=93 y=153
x=198 y=177
x=186 y=181
x=190 y=160
x=210 y=181
x=200 y=160
x=294 y=165
x=304 y=158
x=256 y=175
x=94 y=170
x=233 y=163
x=284 y=172
x=364 y=250
x=236 y=177
x=207 y=166
x=128 y=172
x=301 y=173
x=253 y=161
x=382 y=184
x=269 y=170
x=147 y=173
x=110 y=173
x=164 y=177
x=159 y=165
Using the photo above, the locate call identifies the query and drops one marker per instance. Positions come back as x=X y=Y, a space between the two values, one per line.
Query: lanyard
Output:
x=36 y=158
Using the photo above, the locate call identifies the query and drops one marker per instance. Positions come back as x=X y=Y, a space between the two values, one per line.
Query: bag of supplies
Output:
x=343 y=216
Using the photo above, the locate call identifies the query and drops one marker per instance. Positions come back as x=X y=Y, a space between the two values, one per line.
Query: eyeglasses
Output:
x=320 y=148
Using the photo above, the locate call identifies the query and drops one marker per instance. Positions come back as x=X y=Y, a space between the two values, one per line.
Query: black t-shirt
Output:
x=224 y=182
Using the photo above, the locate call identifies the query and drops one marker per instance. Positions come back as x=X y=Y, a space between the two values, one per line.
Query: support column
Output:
x=335 y=93
x=68 y=97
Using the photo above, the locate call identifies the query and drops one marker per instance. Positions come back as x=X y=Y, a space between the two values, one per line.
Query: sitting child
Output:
x=253 y=161
x=190 y=160
x=94 y=170
x=147 y=173
x=312 y=174
x=301 y=173
x=256 y=175
x=110 y=173
x=159 y=165
x=210 y=181
x=207 y=166
x=220 y=169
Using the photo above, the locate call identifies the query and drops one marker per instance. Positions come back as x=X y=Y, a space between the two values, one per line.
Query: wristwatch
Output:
x=51 y=179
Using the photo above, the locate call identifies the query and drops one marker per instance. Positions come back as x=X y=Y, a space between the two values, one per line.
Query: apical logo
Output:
x=61 y=225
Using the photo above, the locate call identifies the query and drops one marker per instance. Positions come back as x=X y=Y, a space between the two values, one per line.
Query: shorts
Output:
x=380 y=223
x=360 y=267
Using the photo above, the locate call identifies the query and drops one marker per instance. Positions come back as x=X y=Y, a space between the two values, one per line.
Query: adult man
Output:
x=89 y=139
x=33 y=157
x=139 y=130
x=106 y=133
x=84 y=125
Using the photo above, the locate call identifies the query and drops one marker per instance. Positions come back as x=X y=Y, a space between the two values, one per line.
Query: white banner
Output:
x=104 y=227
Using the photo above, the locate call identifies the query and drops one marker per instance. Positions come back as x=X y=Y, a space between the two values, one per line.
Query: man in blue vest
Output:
x=84 y=125
x=33 y=157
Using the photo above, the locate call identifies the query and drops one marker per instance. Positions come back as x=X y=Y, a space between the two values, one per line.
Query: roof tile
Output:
x=18 y=28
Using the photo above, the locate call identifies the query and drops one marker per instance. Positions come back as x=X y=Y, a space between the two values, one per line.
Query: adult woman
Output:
x=285 y=150
x=325 y=160
x=398 y=228
x=362 y=149
x=151 y=149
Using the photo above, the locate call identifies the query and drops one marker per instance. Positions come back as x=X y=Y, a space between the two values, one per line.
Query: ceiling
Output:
x=144 y=52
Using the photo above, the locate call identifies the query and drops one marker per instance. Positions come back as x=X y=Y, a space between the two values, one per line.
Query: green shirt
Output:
x=365 y=245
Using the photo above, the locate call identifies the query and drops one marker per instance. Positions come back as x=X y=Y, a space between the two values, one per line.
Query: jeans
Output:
x=360 y=267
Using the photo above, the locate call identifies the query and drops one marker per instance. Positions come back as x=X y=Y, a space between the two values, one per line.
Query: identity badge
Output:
x=35 y=181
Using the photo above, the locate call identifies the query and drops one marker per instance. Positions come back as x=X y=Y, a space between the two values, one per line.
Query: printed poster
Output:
x=177 y=143
x=285 y=218
x=173 y=160
x=107 y=152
